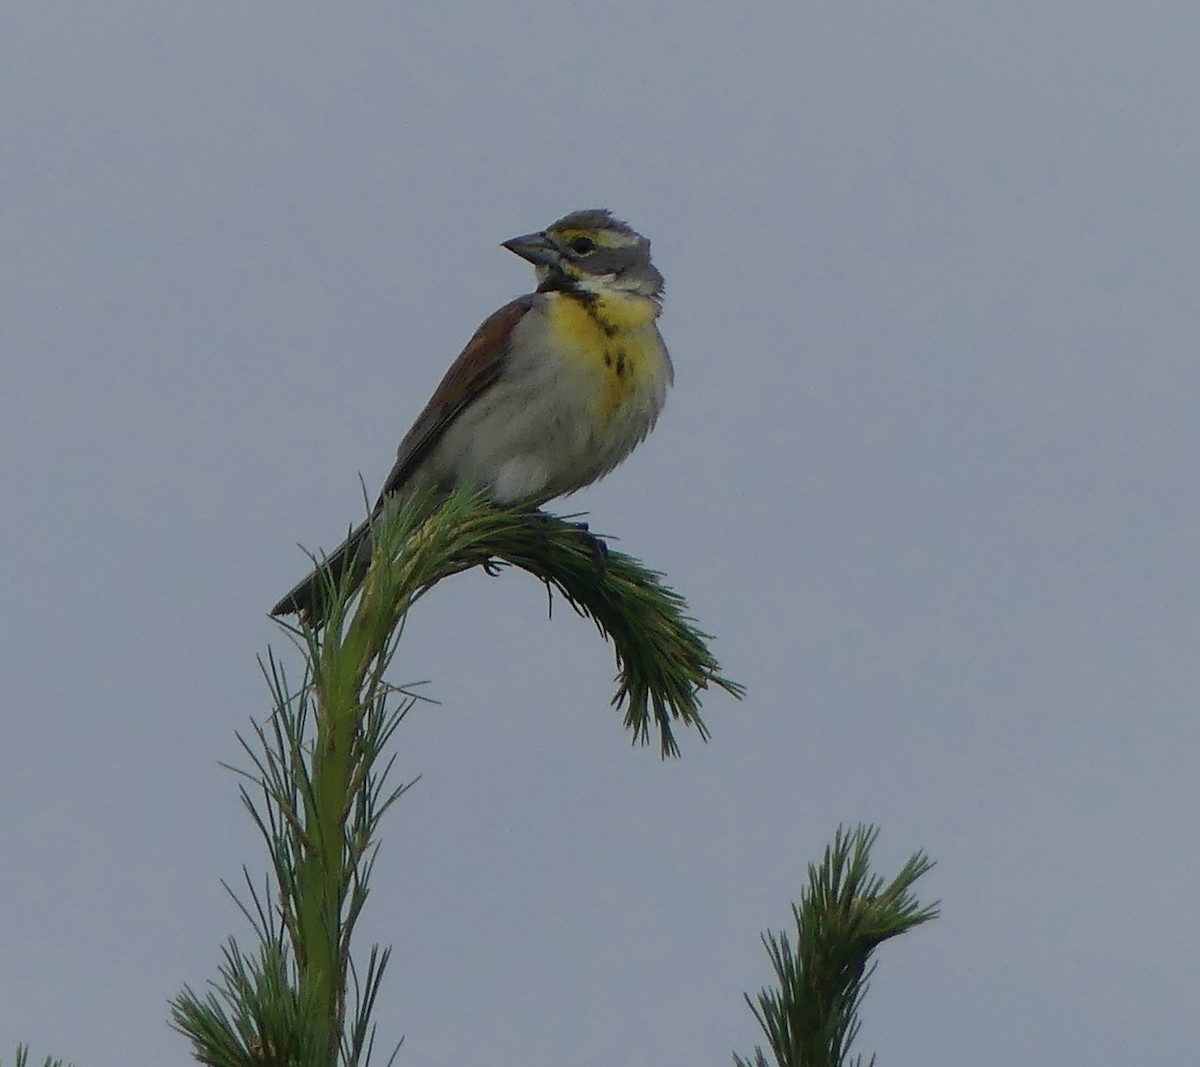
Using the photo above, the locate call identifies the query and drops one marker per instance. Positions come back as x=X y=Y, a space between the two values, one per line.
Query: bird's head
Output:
x=590 y=251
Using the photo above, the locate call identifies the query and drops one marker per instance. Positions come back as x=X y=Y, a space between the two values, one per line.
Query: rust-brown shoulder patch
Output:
x=477 y=367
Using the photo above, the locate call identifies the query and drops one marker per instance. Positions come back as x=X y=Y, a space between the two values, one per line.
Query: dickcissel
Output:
x=553 y=391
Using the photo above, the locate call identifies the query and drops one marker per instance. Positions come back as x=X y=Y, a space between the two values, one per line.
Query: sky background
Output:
x=928 y=474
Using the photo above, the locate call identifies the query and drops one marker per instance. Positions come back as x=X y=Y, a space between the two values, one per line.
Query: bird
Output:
x=553 y=391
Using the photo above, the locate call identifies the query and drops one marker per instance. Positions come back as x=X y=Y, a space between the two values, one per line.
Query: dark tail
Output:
x=347 y=563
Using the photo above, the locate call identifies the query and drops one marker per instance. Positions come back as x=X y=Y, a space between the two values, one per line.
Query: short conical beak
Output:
x=535 y=247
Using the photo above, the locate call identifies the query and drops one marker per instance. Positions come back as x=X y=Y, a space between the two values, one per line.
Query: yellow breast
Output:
x=615 y=341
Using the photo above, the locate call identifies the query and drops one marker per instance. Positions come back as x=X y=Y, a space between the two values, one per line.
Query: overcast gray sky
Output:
x=928 y=473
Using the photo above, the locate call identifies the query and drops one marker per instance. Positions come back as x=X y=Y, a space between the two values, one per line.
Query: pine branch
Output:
x=811 y=1018
x=663 y=659
x=318 y=784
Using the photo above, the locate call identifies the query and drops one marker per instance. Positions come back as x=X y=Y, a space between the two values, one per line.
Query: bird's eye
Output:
x=583 y=245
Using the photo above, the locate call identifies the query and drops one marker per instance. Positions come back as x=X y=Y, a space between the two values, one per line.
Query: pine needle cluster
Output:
x=811 y=1018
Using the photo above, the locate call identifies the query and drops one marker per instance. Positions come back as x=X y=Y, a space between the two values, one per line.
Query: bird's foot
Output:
x=598 y=546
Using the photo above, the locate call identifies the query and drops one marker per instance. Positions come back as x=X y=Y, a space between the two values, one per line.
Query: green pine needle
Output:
x=663 y=658
x=811 y=1018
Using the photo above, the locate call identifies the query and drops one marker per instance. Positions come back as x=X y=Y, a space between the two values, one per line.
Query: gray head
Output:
x=591 y=251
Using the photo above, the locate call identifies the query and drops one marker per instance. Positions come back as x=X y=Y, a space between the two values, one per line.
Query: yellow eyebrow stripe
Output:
x=603 y=238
